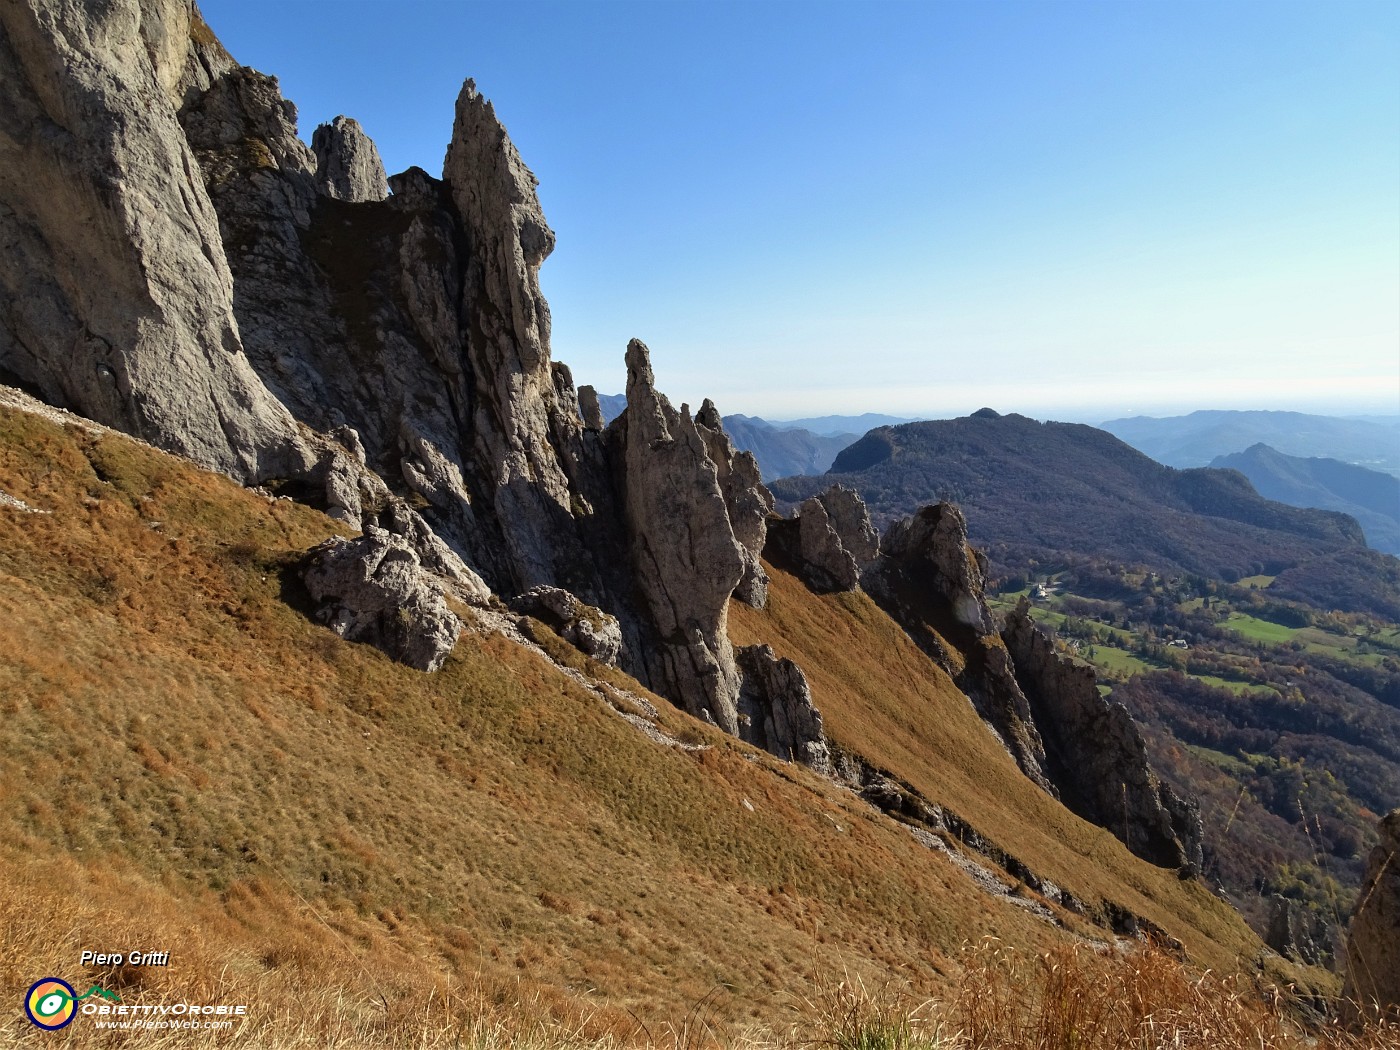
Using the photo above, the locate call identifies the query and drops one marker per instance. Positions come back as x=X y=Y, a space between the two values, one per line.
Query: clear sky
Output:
x=1069 y=209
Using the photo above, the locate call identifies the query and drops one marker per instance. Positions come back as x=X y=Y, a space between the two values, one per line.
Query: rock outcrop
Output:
x=374 y=590
x=1373 y=943
x=116 y=299
x=829 y=542
x=1297 y=933
x=935 y=540
x=776 y=711
x=746 y=500
x=932 y=582
x=591 y=631
x=686 y=558
x=1095 y=753
x=348 y=167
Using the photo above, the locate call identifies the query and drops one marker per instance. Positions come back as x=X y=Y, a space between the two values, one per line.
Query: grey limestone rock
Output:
x=829 y=542
x=776 y=711
x=115 y=296
x=348 y=167
x=936 y=538
x=746 y=499
x=375 y=590
x=836 y=540
x=1373 y=942
x=686 y=560
x=1095 y=753
x=518 y=409
x=851 y=521
x=827 y=564
x=591 y=631
x=590 y=409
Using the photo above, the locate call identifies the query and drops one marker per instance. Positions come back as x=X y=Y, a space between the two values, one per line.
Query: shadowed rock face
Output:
x=1373 y=943
x=776 y=709
x=935 y=539
x=1095 y=753
x=1297 y=933
x=830 y=541
x=932 y=582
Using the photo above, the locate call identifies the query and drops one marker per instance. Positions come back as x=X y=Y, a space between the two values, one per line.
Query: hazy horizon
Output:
x=1082 y=210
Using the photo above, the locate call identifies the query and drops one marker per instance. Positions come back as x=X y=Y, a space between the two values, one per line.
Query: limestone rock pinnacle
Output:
x=686 y=558
x=348 y=167
x=1095 y=753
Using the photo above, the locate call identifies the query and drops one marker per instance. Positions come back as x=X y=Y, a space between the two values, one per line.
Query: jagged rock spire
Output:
x=686 y=558
x=348 y=167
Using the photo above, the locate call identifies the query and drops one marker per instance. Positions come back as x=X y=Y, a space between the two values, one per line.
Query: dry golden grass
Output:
x=882 y=698
x=369 y=856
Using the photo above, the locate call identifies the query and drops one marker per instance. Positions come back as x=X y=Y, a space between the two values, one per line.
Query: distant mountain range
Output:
x=1032 y=489
x=1369 y=496
x=831 y=426
x=1196 y=440
x=782 y=449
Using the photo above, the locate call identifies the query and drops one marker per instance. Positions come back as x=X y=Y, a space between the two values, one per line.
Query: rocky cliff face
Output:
x=1095 y=753
x=1373 y=943
x=116 y=299
x=1297 y=933
x=776 y=709
x=829 y=542
x=687 y=559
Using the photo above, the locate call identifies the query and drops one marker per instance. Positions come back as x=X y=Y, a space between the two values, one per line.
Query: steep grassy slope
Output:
x=363 y=853
x=882 y=698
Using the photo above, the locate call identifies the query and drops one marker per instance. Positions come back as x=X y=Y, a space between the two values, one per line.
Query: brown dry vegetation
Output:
x=370 y=856
x=880 y=696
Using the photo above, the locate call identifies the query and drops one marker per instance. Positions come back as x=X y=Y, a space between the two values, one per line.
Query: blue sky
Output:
x=1070 y=209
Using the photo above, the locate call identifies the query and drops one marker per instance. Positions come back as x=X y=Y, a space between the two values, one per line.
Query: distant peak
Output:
x=985 y=413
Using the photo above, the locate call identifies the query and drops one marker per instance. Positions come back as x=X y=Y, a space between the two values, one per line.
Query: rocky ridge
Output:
x=210 y=283
x=382 y=356
x=1095 y=753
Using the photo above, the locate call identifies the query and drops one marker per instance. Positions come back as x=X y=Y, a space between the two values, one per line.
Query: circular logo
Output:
x=51 y=1003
